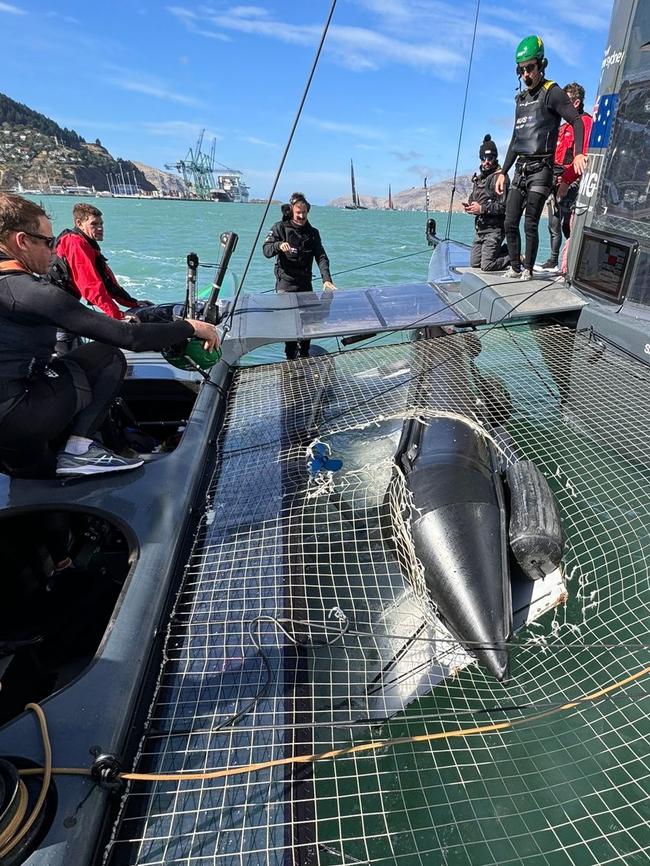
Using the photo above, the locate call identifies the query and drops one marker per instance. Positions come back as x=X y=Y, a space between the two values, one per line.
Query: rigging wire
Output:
x=378 y=745
x=345 y=270
x=282 y=159
x=369 y=265
x=462 y=120
x=416 y=377
x=501 y=322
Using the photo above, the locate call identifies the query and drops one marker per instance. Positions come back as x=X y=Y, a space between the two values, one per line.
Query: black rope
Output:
x=283 y=158
x=462 y=121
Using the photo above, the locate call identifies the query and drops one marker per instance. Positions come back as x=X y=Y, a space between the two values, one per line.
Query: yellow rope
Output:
x=46 y=772
x=379 y=744
x=372 y=746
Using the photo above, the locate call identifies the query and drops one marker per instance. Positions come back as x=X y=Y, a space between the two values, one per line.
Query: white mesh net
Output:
x=304 y=624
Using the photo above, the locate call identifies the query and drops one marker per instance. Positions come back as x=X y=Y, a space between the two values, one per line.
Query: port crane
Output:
x=197 y=169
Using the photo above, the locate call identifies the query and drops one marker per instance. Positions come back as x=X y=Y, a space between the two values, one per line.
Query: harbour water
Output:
x=146 y=242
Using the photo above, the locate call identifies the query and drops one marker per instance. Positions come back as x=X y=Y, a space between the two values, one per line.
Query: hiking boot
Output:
x=96 y=460
x=513 y=273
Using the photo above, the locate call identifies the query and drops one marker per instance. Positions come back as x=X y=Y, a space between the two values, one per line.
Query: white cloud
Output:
x=180 y=129
x=252 y=140
x=353 y=129
x=192 y=22
x=406 y=156
x=138 y=82
x=172 y=129
x=356 y=48
x=67 y=19
x=594 y=15
x=11 y=10
x=251 y=11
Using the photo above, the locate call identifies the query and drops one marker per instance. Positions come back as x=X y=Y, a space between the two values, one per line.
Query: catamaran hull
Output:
x=459 y=532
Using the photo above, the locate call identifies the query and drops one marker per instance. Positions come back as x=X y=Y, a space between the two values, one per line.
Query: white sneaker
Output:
x=525 y=275
x=96 y=460
x=512 y=274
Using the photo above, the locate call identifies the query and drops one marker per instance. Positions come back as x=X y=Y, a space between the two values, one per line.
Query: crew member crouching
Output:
x=489 y=252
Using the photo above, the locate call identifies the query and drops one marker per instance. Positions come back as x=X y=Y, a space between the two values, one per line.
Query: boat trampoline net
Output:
x=304 y=626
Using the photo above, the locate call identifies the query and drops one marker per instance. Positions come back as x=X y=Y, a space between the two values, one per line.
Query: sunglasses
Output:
x=529 y=67
x=48 y=241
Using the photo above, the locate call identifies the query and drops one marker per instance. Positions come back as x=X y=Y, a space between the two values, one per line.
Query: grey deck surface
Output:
x=494 y=296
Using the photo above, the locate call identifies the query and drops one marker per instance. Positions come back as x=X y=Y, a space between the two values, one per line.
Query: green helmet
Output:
x=192 y=356
x=530 y=48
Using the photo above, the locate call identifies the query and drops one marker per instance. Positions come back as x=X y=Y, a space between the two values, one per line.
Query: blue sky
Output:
x=388 y=91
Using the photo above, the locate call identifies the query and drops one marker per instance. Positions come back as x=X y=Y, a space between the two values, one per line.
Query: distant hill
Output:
x=415 y=197
x=16 y=114
x=37 y=153
x=164 y=181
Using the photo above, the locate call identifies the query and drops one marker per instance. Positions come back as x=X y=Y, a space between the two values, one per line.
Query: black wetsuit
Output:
x=42 y=401
x=537 y=121
x=488 y=252
x=293 y=269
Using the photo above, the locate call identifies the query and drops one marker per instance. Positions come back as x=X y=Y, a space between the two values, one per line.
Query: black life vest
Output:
x=536 y=125
x=483 y=193
x=59 y=272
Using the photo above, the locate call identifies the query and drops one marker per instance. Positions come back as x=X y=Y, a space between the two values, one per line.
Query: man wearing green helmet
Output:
x=539 y=110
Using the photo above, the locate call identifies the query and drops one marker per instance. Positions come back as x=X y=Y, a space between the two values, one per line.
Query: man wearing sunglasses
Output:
x=488 y=208
x=58 y=405
x=539 y=110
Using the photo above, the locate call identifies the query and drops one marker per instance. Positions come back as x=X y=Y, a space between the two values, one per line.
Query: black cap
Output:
x=488 y=149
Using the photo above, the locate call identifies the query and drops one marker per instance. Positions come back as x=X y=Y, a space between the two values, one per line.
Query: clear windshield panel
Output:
x=625 y=193
x=636 y=58
x=375 y=309
x=446 y=258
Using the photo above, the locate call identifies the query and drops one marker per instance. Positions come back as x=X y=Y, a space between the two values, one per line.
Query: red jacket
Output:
x=564 y=150
x=91 y=274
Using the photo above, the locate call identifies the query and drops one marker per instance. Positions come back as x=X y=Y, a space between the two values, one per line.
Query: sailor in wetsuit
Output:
x=47 y=405
x=538 y=113
x=296 y=243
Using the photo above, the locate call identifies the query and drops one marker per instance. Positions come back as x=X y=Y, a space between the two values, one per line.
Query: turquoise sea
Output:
x=147 y=241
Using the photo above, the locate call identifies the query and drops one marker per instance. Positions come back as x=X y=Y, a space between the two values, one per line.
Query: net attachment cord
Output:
x=372 y=746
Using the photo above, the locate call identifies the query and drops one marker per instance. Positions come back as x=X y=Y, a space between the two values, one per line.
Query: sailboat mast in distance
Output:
x=355 y=198
x=356 y=204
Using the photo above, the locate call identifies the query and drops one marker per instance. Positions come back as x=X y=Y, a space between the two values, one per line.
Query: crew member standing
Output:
x=296 y=244
x=561 y=203
x=538 y=113
x=488 y=252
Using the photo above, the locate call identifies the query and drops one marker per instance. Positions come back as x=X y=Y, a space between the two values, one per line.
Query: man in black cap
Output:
x=488 y=250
